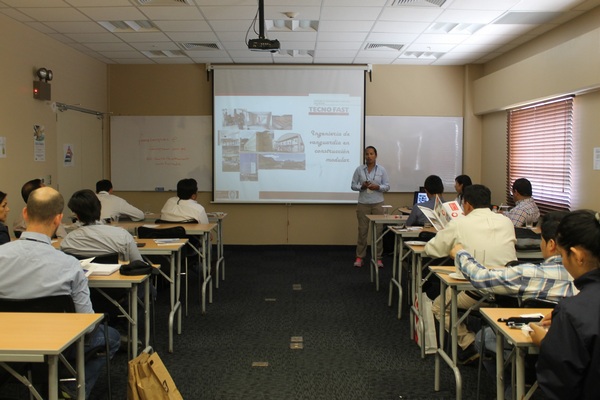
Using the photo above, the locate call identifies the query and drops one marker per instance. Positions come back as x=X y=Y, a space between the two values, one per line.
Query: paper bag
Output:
x=424 y=307
x=149 y=379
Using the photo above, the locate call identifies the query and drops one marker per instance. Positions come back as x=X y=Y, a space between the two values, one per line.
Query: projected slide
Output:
x=286 y=144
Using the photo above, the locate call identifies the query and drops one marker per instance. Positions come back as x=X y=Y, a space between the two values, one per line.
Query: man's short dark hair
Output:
x=29 y=187
x=103 y=185
x=523 y=186
x=186 y=188
x=44 y=205
x=434 y=184
x=550 y=222
x=478 y=196
x=86 y=205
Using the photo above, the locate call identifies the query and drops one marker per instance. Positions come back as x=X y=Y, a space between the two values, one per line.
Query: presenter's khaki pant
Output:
x=362 y=210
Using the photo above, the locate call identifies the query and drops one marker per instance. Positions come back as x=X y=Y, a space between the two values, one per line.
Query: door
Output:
x=79 y=149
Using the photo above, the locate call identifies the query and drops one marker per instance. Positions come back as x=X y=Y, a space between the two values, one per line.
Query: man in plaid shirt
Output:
x=525 y=209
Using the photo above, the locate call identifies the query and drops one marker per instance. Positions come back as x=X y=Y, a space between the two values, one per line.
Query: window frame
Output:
x=540 y=147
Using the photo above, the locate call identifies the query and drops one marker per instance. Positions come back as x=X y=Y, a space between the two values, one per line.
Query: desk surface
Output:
x=190 y=229
x=516 y=336
x=390 y=218
x=22 y=332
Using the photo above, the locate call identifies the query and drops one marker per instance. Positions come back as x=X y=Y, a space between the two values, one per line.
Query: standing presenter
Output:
x=370 y=181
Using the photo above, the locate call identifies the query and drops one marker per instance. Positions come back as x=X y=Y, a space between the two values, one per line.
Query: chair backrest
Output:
x=111 y=258
x=157 y=233
x=538 y=303
x=185 y=221
x=60 y=303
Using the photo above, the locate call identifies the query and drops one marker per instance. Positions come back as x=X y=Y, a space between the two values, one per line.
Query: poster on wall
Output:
x=2 y=147
x=68 y=155
x=39 y=143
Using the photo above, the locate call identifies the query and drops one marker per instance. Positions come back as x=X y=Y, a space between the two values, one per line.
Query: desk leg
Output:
x=373 y=263
x=499 y=365
x=53 y=377
x=178 y=290
x=205 y=271
x=419 y=283
x=454 y=323
x=520 y=372
x=220 y=265
x=397 y=274
x=133 y=309
x=147 y=311
x=442 y=333
x=413 y=308
x=80 y=368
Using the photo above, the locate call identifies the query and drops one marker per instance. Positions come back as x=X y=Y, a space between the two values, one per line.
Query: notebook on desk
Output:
x=94 y=269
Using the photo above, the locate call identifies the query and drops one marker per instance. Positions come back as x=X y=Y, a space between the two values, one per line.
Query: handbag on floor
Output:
x=149 y=379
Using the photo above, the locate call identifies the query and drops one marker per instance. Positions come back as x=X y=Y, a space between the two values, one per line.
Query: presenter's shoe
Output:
x=358 y=262
x=379 y=264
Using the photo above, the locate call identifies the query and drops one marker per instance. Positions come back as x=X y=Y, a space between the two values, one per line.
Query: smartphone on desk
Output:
x=140 y=244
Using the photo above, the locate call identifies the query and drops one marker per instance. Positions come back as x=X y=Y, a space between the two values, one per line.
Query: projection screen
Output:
x=287 y=134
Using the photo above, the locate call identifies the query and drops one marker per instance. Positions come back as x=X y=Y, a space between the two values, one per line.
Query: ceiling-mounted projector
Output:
x=262 y=44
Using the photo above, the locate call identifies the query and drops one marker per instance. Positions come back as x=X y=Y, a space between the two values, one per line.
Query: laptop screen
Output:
x=420 y=197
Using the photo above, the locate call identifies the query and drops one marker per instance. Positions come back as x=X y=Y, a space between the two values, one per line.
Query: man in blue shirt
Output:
x=32 y=268
x=370 y=180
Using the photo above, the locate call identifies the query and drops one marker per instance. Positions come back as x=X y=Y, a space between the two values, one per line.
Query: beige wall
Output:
x=184 y=90
x=78 y=80
x=564 y=61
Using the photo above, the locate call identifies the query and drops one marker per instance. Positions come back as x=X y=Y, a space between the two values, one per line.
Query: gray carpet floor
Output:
x=353 y=346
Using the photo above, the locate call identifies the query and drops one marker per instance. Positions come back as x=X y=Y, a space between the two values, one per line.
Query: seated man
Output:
x=113 y=206
x=19 y=224
x=433 y=185
x=548 y=280
x=490 y=235
x=184 y=206
x=525 y=209
x=32 y=268
x=95 y=238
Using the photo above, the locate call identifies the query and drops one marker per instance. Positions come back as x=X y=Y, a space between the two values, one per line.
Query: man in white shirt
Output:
x=113 y=206
x=184 y=207
x=489 y=236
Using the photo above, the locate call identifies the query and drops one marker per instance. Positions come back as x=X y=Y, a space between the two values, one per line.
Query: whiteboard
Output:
x=412 y=148
x=155 y=152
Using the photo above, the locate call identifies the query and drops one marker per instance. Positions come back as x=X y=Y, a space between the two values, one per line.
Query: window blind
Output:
x=540 y=148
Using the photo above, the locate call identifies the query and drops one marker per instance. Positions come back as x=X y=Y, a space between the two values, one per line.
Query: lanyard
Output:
x=374 y=172
x=35 y=240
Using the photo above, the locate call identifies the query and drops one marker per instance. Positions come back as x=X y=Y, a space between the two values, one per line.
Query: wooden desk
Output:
x=204 y=253
x=373 y=221
x=516 y=338
x=42 y=337
x=416 y=293
x=173 y=251
x=399 y=256
x=455 y=286
x=131 y=283
x=218 y=217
